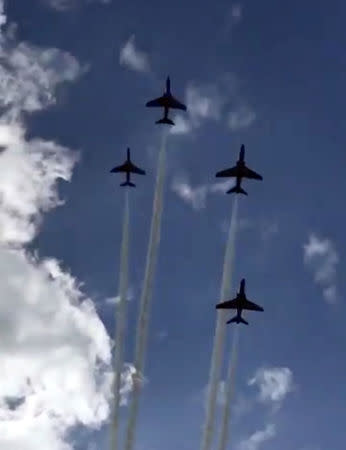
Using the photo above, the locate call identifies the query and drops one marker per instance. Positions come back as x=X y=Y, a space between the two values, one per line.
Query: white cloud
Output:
x=203 y=102
x=196 y=197
x=236 y=12
x=322 y=258
x=274 y=384
x=133 y=58
x=241 y=404
x=182 y=125
x=54 y=350
x=268 y=229
x=193 y=196
x=30 y=76
x=128 y=378
x=65 y=5
x=241 y=118
x=207 y=102
x=259 y=437
x=30 y=170
x=233 y=17
x=115 y=300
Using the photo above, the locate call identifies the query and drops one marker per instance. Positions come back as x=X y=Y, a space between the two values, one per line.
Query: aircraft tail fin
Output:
x=237 y=190
x=238 y=319
x=128 y=183
x=165 y=120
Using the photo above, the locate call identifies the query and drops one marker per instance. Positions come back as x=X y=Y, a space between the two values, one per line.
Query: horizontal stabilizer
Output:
x=237 y=190
x=238 y=319
x=128 y=183
x=165 y=120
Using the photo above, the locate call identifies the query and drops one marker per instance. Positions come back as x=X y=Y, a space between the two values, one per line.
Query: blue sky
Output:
x=262 y=74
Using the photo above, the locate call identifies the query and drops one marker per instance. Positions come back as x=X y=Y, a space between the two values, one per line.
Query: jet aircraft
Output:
x=239 y=171
x=128 y=167
x=239 y=303
x=166 y=101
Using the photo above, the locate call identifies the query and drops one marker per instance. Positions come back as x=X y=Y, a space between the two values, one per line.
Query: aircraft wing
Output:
x=248 y=173
x=229 y=304
x=175 y=104
x=122 y=168
x=135 y=169
x=232 y=172
x=158 y=102
x=246 y=304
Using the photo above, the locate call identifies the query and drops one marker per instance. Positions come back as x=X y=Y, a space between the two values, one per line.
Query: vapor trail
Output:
x=144 y=312
x=219 y=337
x=230 y=385
x=120 y=322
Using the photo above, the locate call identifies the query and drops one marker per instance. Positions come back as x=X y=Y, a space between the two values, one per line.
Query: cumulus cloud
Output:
x=259 y=437
x=30 y=170
x=274 y=384
x=55 y=354
x=322 y=258
x=196 y=196
x=29 y=76
x=133 y=58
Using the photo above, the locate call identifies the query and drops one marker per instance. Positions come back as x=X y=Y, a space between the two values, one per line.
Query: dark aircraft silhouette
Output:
x=166 y=101
x=239 y=171
x=239 y=303
x=128 y=167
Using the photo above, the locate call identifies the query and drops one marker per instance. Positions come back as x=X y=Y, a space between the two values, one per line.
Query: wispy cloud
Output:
x=322 y=258
x=209 y=102
x=115 y=300
x=196 y=196
x=204 y=102
x=65 y=5
x=241 y=404
x=274 y=384
x=258 y=438
x=162 y=335
x=182 y=125
x=268 y=229
x=133 y=58
x=193 y=196
x=241 y=118
x=236 y=12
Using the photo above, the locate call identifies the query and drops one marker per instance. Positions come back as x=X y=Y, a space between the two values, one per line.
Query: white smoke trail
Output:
x=220 y=330
x=121 y=309
x=144 y=312
x=230 y=385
